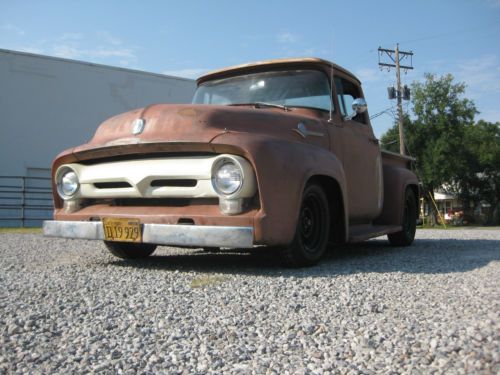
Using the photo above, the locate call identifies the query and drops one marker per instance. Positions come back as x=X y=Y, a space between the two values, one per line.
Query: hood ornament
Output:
x=138 y=126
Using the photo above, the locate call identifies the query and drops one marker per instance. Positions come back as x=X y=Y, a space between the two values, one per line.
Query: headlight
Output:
x=227 y=178
x=67 y=183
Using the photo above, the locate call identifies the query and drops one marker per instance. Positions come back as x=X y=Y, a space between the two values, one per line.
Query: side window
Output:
x=346 y=93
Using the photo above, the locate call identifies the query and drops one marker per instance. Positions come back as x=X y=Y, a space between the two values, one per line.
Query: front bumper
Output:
x=160 y=234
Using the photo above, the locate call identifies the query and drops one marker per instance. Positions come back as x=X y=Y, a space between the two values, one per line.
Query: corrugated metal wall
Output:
x=50 y=104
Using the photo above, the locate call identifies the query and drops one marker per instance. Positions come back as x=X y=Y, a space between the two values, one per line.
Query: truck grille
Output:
x=178 y=183
x=112 y=185
x=182 y=177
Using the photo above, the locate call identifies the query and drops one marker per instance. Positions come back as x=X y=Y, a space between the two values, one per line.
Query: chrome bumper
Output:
x=160 y=234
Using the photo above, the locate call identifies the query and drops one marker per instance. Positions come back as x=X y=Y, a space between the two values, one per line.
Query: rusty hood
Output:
x=188 y=123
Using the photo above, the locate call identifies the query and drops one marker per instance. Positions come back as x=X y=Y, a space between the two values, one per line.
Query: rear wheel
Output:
x=126 y=250
x=312 y=231
x=407 y=235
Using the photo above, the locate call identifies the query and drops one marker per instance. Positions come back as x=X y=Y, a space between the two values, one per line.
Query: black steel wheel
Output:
x=407 y=235
x=127 y=250
x=312 y=231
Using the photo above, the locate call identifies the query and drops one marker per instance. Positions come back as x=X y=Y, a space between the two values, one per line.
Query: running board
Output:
x=358 y=233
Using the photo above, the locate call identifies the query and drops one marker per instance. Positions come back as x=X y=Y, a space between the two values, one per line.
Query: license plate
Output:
x=122 y=230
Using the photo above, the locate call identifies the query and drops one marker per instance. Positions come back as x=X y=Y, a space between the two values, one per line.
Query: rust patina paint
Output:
x=283 y=160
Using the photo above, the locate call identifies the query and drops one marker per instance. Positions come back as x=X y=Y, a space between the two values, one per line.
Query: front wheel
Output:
x=127 y=250
x=407 y=235
x=312 y=231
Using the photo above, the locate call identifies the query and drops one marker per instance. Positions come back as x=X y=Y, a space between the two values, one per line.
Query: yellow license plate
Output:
x=122 y=230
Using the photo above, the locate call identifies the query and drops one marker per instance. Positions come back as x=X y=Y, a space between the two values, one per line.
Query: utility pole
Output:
x=396 y=56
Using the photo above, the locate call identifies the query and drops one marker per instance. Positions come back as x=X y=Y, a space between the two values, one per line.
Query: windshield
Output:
x=295 y=88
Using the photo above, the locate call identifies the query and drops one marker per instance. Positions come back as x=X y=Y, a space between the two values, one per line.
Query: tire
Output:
x=407 y=235
x=312 y=231
x=125 y=250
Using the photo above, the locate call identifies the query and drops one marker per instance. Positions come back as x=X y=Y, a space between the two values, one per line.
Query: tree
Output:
x=435 y=133
x=483 y=144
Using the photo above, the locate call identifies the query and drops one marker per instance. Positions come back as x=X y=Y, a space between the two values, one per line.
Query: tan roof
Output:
x=297 y=60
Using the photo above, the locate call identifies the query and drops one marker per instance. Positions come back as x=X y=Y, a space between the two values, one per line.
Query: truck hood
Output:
x=202 y=123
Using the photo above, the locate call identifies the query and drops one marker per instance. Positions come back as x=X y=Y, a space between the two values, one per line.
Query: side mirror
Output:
x=358 y=106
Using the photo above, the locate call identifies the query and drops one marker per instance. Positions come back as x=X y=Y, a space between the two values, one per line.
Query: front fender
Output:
x=282 y=170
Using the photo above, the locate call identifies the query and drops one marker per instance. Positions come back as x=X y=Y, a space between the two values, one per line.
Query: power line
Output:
x=381 y=113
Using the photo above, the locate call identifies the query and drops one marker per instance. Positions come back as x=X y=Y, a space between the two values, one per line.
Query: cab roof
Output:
x=260 y=65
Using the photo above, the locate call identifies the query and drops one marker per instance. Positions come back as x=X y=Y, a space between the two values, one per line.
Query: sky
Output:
x=188 y=38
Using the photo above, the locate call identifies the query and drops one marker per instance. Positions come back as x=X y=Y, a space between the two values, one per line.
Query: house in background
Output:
x=452 y=211
x=447 y=205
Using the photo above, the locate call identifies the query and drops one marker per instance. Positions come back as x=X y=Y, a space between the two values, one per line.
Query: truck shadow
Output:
x=424 y=256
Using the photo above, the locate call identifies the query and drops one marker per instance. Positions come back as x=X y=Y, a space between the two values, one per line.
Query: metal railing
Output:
x=25 y=199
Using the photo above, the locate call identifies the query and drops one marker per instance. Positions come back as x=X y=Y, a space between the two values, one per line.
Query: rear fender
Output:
x=396 y=181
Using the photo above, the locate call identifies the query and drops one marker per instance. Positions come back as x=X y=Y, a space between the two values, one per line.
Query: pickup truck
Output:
x=277 y=154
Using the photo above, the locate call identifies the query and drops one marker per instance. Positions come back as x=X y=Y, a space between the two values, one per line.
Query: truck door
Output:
x=360 y=154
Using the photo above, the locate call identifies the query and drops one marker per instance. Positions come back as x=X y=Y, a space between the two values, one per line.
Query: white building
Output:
x=49 y=104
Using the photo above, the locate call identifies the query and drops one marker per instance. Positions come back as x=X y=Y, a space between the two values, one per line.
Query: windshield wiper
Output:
x=272 y=105
x=263 y=105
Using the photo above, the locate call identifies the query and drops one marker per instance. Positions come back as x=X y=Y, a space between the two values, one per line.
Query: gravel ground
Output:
x=67 y=306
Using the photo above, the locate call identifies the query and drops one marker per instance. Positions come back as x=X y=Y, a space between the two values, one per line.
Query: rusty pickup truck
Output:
x=274 y=154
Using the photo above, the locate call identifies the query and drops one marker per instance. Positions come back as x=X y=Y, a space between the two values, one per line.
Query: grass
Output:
x=21 y=230
x=457 y=227
x=203 y=281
